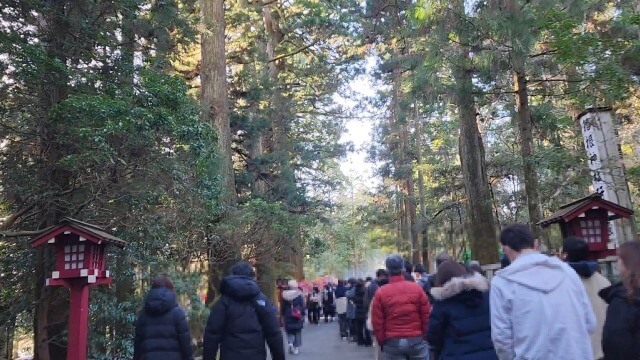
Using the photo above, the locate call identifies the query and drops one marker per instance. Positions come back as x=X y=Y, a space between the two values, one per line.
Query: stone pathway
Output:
x=322 y=342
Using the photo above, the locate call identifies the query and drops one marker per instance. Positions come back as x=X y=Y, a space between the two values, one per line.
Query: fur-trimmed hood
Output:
x=289 y=295
x=457 y=285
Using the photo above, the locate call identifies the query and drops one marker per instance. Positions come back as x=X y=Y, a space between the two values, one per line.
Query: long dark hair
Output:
x=162 y=281
x=629 y=252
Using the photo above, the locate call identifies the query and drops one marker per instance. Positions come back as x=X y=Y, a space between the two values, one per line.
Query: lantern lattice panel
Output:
x=591 y=230
x=74 y=257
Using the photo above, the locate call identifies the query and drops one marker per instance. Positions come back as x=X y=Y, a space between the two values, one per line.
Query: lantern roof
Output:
x=576 y=208
x=90 y=232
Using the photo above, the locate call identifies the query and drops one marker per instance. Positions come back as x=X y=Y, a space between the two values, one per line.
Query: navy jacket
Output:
x=460 y=323
x=292 y=299
x=162 y=331
x=240 y=322
x=621 y=332
x=341 y=291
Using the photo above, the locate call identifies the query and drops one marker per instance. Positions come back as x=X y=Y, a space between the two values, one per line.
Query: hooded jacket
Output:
x=240 y=322
x=460 y=324
x=162 y=331
x=621 y=334
x=540 y=311
x=399 y=309
x=290 y=300
x=593 y=282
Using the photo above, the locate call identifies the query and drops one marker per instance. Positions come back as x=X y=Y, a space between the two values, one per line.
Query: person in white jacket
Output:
x=539 y=308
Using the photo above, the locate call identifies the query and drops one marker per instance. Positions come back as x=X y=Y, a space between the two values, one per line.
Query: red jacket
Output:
x=399 y=310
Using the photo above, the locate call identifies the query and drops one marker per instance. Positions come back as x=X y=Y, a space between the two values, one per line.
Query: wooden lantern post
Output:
x=80 y=262
x=588 y=218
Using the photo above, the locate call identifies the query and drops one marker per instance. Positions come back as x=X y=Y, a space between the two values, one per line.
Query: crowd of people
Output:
x=537 y=307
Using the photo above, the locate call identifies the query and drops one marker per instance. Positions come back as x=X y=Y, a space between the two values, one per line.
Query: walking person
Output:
x=313 y=306
x=328 y=302
x=292 y=312
x=575 y=252
x=341 y=309
x=621 y=332
x=460 y=325
x=400 y=315
x=382 y=278
x=360 y=317
x=440 y=258
x=351 y=308
x=162 y=331
x=242 y=320
x=539 y=308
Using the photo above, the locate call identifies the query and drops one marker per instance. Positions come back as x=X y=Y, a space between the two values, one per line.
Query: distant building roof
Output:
x=576 y=208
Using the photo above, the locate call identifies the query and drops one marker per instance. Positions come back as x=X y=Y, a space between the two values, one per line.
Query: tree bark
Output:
x=405 y=165
x=214 y=97
x=525 y=128
x=49 y=321
x=7 y=333
x=215 y=110
x=482 y=232
x=424 y=225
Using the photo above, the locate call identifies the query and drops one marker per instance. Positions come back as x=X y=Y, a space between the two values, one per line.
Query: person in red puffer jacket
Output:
x=400 y=315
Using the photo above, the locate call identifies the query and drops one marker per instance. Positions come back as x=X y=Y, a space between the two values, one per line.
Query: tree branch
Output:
x=13 y=218
x=20 y=233
x=295 y=52
x=548 y=52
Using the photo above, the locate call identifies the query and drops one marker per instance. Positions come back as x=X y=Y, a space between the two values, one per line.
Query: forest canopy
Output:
x=207 y=132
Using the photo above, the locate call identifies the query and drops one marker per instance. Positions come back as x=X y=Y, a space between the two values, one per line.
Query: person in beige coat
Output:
x=575 y=252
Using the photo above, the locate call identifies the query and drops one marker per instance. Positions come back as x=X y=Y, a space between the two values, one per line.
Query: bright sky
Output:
x=359 y=133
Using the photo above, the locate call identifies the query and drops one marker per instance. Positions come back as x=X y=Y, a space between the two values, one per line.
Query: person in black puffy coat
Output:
x=460 y=322
x=242 y=320
x=162 y=331
x=621 y=332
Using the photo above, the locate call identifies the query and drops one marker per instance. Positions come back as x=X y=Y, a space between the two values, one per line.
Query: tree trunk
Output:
x=214 y=101
x=265 y=277
x=406 y=177
x=7 y=333
x=526 y=142
x=215 y=110
x=482 y=233
x=399 y=224
x=410 y=205
x=51 y=309
x=424 y=225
